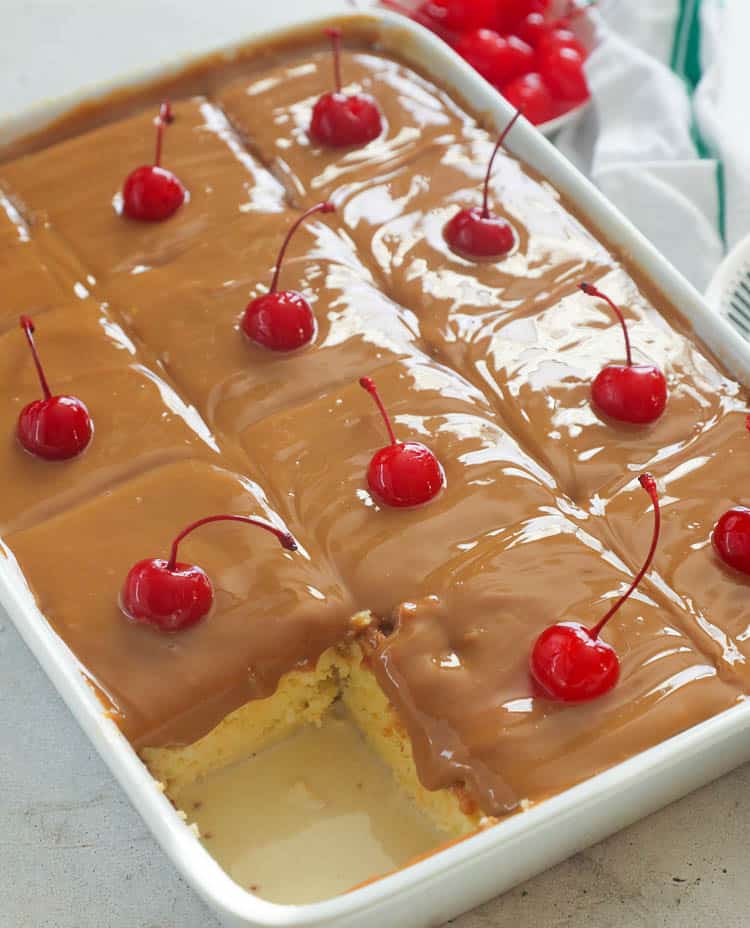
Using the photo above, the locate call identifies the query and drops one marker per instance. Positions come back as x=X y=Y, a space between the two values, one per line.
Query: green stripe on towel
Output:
x=686 y=63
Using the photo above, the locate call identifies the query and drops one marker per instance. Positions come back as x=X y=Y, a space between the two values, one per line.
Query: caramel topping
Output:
x=272 y=111
x=457 y=668
x=234 y=382
x=324 y=449
x=36 y=268
x=76 y=188
x=272 y=610
x=700 y=482
x=488 y=364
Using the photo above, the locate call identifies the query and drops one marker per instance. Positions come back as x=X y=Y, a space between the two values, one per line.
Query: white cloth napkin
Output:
x=667 y=135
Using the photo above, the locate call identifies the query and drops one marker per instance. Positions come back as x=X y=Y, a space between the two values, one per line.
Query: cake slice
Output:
x=538 y=367
x=272 y=110
x=223 y=182
x=699 y=484
x=314 y=460
x=189 y=312
x=139 y=420
x=455 y=672
x=398 y=219
x=274 y=612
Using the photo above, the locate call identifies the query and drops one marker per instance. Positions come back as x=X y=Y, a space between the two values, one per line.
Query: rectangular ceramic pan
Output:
x=472 y=871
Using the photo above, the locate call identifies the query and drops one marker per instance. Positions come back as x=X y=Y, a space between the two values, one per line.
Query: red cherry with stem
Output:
x=171 y=595
x=562 y=68
x=340 y=120
x=282 y=320
x=531 y=94
x=731 y=539
x=152 y=193
x=403 y=474
x=459 y=15
x=56 y=428
x=635 y=393
x=497 y=58
x=569 y=661
x=476 y=233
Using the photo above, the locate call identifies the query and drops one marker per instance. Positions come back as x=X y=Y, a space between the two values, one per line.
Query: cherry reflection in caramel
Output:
x=477 y=233
x=403 y=474
x=342 y=120
x=171 y=595
x=570 y=662
x=282 y=320
x=633 y=393
x=151 y=193
x=55 y=428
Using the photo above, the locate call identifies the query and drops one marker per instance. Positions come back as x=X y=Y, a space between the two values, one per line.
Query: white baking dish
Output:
x=446 y=884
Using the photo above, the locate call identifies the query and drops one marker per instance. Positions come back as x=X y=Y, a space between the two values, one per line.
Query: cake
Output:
x=419 y=620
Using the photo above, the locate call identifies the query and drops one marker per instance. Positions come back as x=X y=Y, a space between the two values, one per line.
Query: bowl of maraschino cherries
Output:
x=532 y=51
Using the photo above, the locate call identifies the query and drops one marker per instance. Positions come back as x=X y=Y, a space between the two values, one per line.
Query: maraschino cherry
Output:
x=509 y=14
x=55 y=428
x=731 y=539
x=282 y=320
x=403 y=474
x=458 y=15
x=476 y=233
x=562 y=68
x=731 y=536
x=342 y=120
x=569 y=661
x=496 y=57
x=152 y=193
x=171 y=595
x=634 y=393
x=533 y=28
x=531 y=94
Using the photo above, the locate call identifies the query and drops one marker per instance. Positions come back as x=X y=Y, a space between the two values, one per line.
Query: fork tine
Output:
x=744 y=329
x=741 y=308
x=736 y=305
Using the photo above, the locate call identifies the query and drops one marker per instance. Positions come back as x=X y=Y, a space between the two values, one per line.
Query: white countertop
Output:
x=73 y=853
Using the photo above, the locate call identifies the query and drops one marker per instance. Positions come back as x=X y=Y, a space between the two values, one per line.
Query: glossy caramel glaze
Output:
x=489 y=364
x=272 y=611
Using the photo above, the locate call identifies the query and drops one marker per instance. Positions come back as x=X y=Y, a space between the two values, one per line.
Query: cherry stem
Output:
x=164 y=119
x=367 y=383
x=320 y=208
x=591 y=290
x=649 y=485
x=498 y=146
x=28 y=326
x=335 y=36
x=286 y=539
